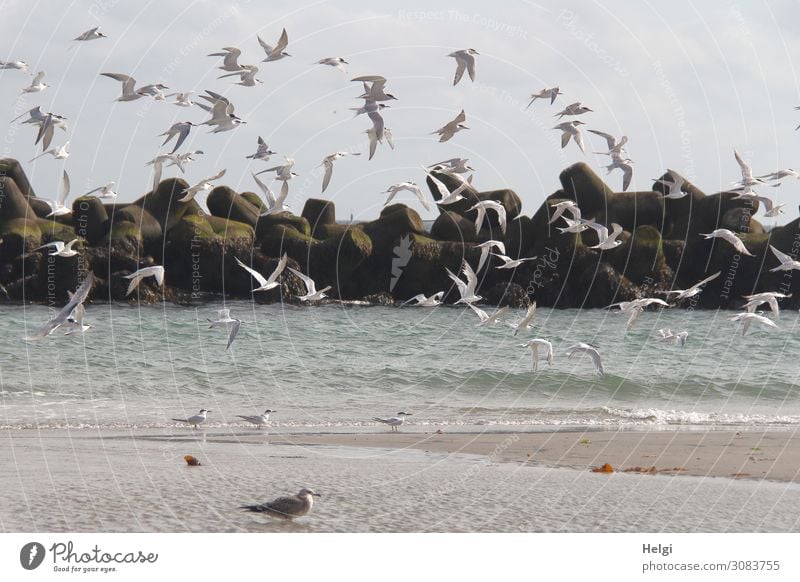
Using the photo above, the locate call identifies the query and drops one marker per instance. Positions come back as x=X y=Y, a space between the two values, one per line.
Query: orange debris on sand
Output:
x=607 y=468
x=191 y=461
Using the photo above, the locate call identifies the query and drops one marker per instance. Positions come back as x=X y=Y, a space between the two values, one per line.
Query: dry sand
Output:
x=753 y=454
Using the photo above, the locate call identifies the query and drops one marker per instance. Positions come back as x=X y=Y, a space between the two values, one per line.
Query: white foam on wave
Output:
x=658 y=416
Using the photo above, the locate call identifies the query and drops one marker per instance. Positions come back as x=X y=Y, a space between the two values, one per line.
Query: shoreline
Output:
x=759 y=454
x=753 y=453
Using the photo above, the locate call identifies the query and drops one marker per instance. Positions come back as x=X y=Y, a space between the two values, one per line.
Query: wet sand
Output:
x=754 y=454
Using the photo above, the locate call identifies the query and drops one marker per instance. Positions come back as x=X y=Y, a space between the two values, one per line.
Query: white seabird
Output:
x=394 y=421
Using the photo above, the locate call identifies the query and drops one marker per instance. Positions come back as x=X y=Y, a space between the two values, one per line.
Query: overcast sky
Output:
x=687 y=82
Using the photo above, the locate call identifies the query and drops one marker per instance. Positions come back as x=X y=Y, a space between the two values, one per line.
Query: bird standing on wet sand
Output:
x=394 y=421
x=195 y=420
x=259 y=420
x=286 y=508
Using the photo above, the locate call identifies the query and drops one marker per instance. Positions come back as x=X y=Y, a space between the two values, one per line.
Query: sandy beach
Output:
x=755 y=454
x=137 y=480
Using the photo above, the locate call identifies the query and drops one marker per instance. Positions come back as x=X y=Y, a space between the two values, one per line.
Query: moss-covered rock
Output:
x=267 y=223
x=633 y=209
x=255 y=200
x=163 y=203
x=227 y=204
x=18 y=236
x=508 y=198
x=319 y=213
x=581 y=184
x=90 y=219
x=11 y=168
x=125 y=238
x=13 y=203
x=149 y=227
x=452 y=226
x=641 y=259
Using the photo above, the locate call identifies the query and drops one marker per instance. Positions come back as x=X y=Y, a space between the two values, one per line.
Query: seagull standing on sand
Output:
x=266 y=284
x=37 y=85
x=591 y=351
x=481 y=208
x=157 y=272
x=412 y=187
x=465 y=61
x=423 y=301
x=394 y=421
x=259 y=420
x=63 y=315
x=311 y=287
x=535 y=345
x=328 y=163
x=231 y=324
x=731 y=237
x=202 y=186
x=448 y=130
x=551 y=94
x=466 y=288
x=196 y=419
x=286 y=508
x=570 y=129
x=526 y=322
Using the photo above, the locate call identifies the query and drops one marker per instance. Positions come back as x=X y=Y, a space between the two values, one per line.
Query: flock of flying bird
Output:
x=223 y=118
